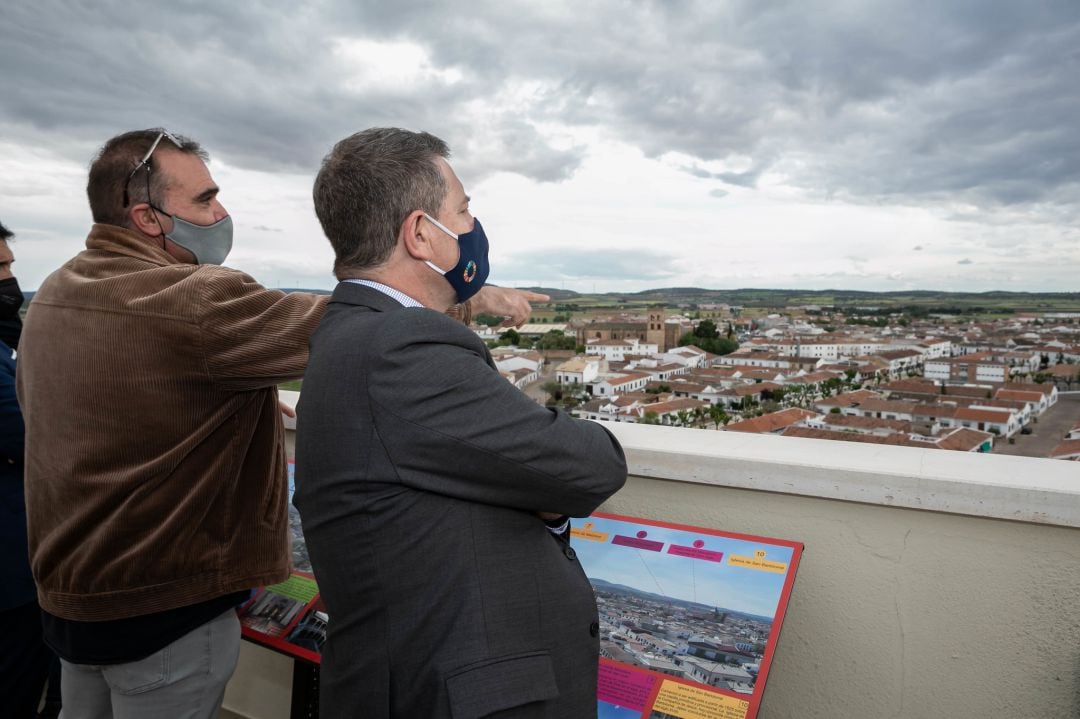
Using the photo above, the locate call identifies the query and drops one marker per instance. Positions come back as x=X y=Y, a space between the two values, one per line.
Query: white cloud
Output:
x=396 y=66
x=607 y=145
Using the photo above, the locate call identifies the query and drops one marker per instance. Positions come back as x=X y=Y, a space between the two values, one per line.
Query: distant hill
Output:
x=927 y=300
x=931 y=300
x=687 y=293
x=554 y=294
x=302 y=289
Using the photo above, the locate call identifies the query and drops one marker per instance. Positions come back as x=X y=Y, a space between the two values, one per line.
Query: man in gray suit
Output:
x=434 y=495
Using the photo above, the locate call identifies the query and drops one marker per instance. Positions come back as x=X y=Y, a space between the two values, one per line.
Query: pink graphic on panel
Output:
x=638 y=541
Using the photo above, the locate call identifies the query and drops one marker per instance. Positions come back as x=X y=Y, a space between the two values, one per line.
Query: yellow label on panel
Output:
x=763 y=565
x=689 y=702
x=587 y=532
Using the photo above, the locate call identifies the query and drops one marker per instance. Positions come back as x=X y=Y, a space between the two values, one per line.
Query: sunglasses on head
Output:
x=145 y=162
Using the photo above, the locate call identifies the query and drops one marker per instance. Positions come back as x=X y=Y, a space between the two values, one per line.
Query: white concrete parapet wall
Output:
x=983 y=485
x=934 y=583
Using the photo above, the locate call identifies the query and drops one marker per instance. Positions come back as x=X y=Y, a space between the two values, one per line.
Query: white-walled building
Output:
x=617 y=350
x=692 y=357
x=995 y=420
x=510 y=359
x=964 y=369
x=580 y=370
x=620 y=384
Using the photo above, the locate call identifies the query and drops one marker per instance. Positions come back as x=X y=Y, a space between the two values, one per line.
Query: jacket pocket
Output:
x=504 y=683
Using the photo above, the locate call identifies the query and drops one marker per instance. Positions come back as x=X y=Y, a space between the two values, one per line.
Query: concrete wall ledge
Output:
x=1024 y=489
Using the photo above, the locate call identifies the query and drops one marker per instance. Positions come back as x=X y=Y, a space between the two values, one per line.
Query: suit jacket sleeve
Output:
x=451 y=424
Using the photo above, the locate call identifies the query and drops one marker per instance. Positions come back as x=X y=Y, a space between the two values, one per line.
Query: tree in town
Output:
x=706 y=329
x=555 y=389
x=775 y=395
x=830 y=385
x=555 y=340
x=718 y=415
x=715 y=345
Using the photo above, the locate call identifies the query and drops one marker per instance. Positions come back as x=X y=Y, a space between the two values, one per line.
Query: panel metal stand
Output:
x=305 y=690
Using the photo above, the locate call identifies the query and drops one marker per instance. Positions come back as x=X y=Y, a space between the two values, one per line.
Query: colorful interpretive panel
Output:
x=689 y=616
x=289 y=617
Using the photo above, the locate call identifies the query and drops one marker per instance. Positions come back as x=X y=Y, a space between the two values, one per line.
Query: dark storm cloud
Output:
x=973 y=101
x=257 y=86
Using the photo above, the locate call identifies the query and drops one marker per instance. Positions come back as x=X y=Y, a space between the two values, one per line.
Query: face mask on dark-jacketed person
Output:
x=11 y=298
x=472 y=268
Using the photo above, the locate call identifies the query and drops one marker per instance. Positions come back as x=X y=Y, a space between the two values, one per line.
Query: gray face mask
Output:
x=209 y=243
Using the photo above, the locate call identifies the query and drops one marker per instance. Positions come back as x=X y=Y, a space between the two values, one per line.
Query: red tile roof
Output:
x=745 y=390
x=898 y=440
x=964 y=439
x=1022 y=396
x=1046 y=389
x=846 y=420
x=983 y=415
x=886 y=405
x=772 y=421
x=1069 y=449
x=672 y=406
x=625 y=378
x=849 y=398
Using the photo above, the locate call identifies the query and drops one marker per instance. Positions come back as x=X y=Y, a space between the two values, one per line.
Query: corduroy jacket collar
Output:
x=122 y=241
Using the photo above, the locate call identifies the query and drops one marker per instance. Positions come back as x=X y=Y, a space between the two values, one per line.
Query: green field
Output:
x=984 y=305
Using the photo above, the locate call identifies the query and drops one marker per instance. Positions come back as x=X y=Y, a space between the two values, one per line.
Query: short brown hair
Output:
x=368 y=185
x=111 y=168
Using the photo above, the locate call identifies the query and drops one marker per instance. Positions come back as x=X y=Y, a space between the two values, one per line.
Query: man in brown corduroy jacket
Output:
x=155 y=462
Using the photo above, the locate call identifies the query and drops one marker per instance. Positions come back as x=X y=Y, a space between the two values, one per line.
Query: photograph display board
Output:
x=689 y=617
x=289 y=617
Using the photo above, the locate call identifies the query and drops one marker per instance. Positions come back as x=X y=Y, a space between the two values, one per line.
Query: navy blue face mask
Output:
x=472 y=268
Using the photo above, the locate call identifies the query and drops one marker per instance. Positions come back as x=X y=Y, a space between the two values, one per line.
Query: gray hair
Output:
x=368 y=185
x=111 y=169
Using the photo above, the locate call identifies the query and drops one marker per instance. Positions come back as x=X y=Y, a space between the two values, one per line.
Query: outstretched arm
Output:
x=506 y=302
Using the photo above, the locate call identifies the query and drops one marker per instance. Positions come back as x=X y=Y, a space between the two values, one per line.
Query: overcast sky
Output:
x=607 y=145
